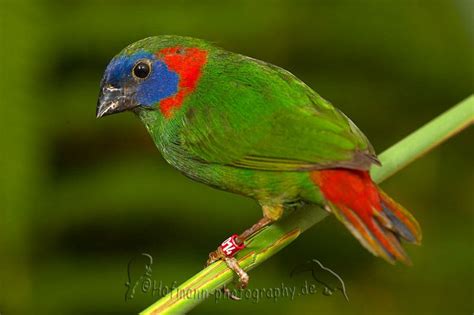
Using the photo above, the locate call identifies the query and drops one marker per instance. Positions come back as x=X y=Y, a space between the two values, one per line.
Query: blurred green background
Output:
x=80 y=197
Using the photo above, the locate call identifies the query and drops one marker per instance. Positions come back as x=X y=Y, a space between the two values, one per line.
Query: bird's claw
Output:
x=229 y=294
x=233 y=265
x=214 y=256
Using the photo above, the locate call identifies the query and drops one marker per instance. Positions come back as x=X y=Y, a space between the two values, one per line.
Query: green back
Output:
x=251 y=114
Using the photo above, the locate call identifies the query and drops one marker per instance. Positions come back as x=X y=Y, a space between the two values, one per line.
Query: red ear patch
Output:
x=188 y=64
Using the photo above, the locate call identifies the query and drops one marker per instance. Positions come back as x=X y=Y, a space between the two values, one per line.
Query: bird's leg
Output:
x=238 y=239
x=263 y=222
x=235 y=243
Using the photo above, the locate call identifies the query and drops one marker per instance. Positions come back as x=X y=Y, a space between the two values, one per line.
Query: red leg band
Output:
x=229 y=247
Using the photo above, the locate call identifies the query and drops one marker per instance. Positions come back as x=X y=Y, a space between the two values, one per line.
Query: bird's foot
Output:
x=214 y=256
x=235 y=243
x=225 y=252
x=233 y=264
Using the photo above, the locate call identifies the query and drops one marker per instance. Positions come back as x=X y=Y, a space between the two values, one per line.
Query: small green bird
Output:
x=249 y=127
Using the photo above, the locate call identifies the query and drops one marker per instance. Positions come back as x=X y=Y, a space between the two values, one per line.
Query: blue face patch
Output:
x=160 y=84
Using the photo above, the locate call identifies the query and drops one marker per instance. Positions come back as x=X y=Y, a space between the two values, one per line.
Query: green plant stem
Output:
x=273 y=238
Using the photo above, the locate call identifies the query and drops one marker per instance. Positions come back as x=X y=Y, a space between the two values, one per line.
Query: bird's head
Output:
x=155 y=73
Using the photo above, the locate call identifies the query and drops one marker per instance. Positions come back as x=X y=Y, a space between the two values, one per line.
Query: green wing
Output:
x=258 y=116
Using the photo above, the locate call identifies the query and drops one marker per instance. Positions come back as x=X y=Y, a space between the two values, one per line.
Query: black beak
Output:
x=113 y=100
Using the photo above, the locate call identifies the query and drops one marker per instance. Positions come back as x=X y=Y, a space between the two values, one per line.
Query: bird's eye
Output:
x=141 y=70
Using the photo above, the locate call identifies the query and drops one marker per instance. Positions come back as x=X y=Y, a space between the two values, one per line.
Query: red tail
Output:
x=374 y=218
